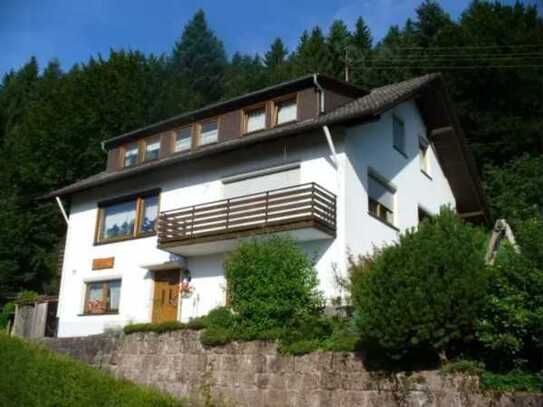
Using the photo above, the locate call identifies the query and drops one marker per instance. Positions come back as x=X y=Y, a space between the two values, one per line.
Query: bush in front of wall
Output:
x=160 y=327
x=270 y=283
x=511 y=324
x=423 y=293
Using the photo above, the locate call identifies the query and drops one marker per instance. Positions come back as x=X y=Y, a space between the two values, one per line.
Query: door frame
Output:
x=179 y=303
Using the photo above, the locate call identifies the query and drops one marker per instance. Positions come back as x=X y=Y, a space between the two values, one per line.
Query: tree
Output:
x=424 y=293
x=339 y=39
x=199 y=59
x=244 y=74
x=359 y=53
x=276 y=62
x=312 y=54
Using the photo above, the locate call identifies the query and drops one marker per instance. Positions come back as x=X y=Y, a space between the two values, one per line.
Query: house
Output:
x=338 y=168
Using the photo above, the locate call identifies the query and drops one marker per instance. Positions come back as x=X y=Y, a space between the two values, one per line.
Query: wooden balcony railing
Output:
x=296 y=207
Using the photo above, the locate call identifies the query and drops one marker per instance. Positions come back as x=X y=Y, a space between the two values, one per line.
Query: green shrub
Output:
x=216 y=336
x=7 y=312
x=423 y=293
x=32 y=376
x=26 y=297
x=161 y=327
x=300 y=347
x=197 y=323
x=343 y=338
x=270 y=283
x=468 y=367
x=512 y=382
x=221 y=317
x=511 y=324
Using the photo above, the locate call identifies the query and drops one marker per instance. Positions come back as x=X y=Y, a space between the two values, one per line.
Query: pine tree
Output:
x=312 y=54
x=199 y=59
x=339 y=39
x=361 y=38
x=278 y=66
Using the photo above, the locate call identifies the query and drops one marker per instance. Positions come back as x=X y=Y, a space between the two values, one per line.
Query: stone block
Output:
x=279 y=363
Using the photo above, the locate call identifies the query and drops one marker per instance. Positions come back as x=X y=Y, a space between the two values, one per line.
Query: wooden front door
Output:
x=166 y=296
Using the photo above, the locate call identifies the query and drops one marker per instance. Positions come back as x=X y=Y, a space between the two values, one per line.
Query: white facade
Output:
x=308 y=159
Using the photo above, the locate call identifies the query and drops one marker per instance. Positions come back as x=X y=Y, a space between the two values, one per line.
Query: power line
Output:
x=452 y=67
x=470 y=47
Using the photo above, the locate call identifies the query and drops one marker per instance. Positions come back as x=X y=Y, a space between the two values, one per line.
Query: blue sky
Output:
x=73 y=30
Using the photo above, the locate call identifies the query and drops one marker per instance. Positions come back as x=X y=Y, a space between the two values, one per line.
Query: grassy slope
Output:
x=33 y=376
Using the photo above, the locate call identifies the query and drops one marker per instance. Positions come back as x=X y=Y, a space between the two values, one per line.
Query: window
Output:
x=423 y=156
x=102 y=297
x=422 y=214
x=152 y=148
x=255 y=120
x=286 y=111
x=183 y=139
x=128 y=218
x=399 y=134
x=131 y=154
x=149 y=214
x=380 y=199
x=209 y=132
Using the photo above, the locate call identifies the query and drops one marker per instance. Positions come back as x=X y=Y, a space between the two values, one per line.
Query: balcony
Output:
x=306 y=212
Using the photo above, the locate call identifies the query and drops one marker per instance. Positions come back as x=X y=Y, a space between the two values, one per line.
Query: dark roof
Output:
x=231 y=104
x=365 y=108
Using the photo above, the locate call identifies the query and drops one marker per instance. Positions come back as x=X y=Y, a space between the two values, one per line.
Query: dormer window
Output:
x=209 y=132
x=131 y=152
x=286 y=111
x=183 y=139
x=255 y=119
x=152 y=148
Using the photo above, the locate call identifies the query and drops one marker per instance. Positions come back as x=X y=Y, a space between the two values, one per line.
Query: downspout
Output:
x=103 y=147
x=328 y=136
x=59 y=203
x=321 y=93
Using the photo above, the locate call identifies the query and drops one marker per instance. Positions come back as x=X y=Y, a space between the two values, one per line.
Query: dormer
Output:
x=280 y=105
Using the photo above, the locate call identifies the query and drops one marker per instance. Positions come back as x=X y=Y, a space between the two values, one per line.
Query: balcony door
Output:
x=166 y=295
x=261 y=181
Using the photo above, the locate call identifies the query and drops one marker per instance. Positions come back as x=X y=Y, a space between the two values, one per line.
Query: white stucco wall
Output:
x=371 y=146
x=199 y=181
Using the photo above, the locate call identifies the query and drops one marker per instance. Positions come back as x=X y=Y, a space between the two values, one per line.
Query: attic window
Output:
x=286 y=111
x=209 y=132
x=152 y=148
x=183 y=139
x=131 y=154
x=255 y=119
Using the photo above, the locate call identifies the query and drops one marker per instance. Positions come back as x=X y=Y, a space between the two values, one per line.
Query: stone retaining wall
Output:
x=255 y=374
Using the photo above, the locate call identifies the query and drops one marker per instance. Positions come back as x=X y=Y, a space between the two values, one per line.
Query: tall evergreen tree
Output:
x=312 y=54
x=277 y=64
x=339 y=39
x=199 y=59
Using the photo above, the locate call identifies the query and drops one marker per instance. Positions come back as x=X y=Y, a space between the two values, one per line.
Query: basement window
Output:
x=102 y=297
x=380 y=199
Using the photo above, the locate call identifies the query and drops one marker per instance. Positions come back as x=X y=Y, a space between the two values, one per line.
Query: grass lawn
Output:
x=34 y=377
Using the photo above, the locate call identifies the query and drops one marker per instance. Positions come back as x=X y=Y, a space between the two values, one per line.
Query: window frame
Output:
x=425 y=214
x=139 y=199
x=104 y=283
x=143 y=147
x=402 y=151
x=424 y=145
x=379 y=206
x=245 y=119
x=199 y=131
x=174 y=138
x=124 y=149
x=282 y=100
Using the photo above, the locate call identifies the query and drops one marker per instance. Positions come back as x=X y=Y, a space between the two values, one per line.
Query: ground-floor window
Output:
x=102 y=297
